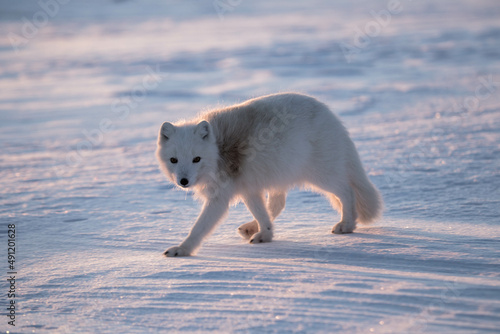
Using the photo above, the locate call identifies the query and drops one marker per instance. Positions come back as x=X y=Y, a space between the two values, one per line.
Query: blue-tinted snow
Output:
x=93 y=213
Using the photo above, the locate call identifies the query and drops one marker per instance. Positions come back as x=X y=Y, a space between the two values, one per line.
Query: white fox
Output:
x=266 y=145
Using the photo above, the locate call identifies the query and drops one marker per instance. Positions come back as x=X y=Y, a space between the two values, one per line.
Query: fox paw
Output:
x=176 y=251
x=248 y=229
x=344 y=227
x=259 y=237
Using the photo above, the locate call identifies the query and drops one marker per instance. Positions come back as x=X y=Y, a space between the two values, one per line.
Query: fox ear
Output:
x=204 y=130
x=167 y=130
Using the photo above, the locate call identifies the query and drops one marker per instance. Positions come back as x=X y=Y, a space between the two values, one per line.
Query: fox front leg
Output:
x=212 y=213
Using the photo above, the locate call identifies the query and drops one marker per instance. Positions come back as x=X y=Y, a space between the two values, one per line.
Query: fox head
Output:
x=188 y=153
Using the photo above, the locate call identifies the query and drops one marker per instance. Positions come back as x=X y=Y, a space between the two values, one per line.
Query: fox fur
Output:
x=255 y=152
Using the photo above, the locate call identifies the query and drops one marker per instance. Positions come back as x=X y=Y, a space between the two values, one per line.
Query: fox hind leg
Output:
x=345 y=196
x=275 y=204
x=342 y=199
x=248 y=229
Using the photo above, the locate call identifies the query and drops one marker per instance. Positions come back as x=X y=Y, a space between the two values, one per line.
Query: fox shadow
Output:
x=375 y=248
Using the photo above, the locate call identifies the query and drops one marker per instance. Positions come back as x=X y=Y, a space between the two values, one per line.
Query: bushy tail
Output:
x=369 y=203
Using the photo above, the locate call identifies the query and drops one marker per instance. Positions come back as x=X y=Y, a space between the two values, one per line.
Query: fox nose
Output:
x=184 y=182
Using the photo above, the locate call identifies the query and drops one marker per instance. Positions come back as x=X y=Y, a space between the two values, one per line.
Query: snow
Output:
x=80 y=105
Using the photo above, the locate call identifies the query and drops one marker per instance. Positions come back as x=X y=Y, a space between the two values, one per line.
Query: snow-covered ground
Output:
x=85 y=85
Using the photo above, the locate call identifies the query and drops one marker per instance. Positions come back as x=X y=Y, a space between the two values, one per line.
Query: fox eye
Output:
x=196 y=160
x=173 y=160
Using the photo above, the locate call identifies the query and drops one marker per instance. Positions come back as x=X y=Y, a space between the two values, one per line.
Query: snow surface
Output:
x=93 y=213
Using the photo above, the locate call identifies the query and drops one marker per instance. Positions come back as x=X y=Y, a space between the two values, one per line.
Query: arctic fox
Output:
x=266 y=145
